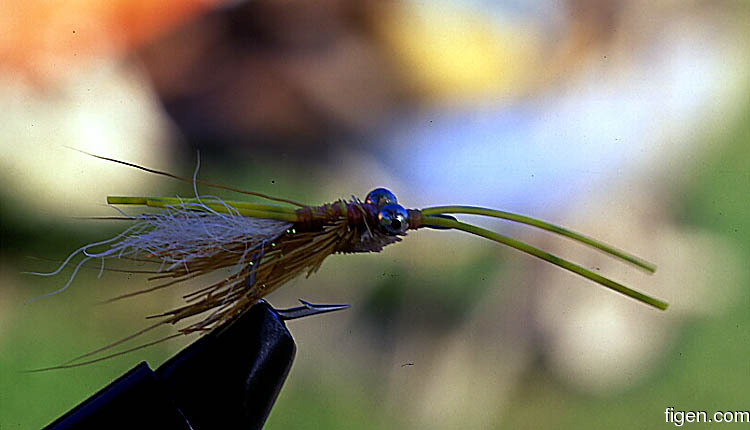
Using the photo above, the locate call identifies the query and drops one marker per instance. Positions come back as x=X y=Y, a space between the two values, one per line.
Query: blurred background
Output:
x=626 y=120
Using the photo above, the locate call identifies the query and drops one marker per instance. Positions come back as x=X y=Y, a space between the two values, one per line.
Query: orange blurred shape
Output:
x=43 y=40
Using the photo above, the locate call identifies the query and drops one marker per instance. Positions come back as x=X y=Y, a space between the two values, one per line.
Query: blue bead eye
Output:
x=393 y=219
x=380 y=197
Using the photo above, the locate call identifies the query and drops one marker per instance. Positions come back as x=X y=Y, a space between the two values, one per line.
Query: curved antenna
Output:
x=433 y=221
x=199 y=181
x=474 y=210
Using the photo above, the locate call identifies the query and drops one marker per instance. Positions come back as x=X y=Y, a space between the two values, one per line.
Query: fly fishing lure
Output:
x=268 y=244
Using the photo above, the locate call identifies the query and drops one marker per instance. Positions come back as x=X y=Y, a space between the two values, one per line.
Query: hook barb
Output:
x=307 y=309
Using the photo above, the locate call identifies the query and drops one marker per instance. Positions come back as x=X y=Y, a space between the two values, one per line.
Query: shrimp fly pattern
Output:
x=268 y=244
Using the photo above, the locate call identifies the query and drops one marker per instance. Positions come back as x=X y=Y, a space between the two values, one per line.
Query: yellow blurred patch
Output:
x=452 y=54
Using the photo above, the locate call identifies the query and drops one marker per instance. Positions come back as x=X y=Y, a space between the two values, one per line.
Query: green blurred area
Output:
x=708 y=367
